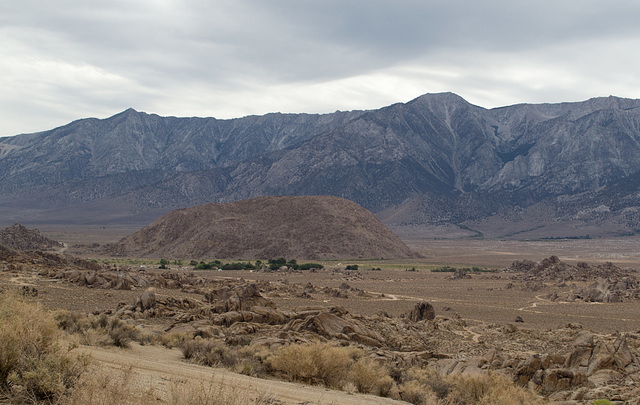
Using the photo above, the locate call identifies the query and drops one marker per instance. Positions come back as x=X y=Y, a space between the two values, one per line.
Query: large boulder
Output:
x=241 y=298
x=591 y=357
x=147 y=300
x=331 y=325
x=422 y=311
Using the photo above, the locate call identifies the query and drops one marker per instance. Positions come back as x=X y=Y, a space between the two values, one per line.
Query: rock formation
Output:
x=20 y=237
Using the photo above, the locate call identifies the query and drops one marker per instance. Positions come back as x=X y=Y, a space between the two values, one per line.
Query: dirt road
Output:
x=161 y=369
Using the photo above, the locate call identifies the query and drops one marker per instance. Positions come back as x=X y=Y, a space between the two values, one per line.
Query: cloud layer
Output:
x=69 y=59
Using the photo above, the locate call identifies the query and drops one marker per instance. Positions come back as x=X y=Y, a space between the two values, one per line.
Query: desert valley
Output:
x=432 y=252
x=537 y=321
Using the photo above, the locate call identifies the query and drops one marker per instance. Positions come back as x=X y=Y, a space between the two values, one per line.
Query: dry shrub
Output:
x=122 y=333
x=218 y=393
x=35 y=361
x=469 y=390
x=316 y=363
x=370 y=377
x=416 y=393
x=426 y=386
x=95 y=337
x=251 y=361
x=209 y=352
x=72 y=322
x=100 y=386
x=432 y=380
x=175 y=339
x=101 y=330
x=490 y=389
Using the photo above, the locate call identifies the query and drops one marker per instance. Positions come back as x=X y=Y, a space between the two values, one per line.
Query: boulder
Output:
x=90 y=278
x=422 y=311
x=527 y=369
x=330 y=325
x=601 y=359
x=584 y=338
x=579 y=358
x=241 y=298
x=604 y=377
x=231 y=317
x=559 y=380
x=147 y=300
x=623 y=356
x=270 y=315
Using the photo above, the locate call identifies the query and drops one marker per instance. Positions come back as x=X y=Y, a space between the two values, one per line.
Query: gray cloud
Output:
x=69 y=59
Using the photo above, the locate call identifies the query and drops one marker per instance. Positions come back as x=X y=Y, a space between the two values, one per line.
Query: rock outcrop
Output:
x=19 y=237
x=422 y=311
x=608 y=282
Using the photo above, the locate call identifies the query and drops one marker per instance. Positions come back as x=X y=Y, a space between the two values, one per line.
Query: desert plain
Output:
x=482 y=309
x=485 y=296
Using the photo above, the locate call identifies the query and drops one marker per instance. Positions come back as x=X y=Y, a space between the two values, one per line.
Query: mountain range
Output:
x=434 y=166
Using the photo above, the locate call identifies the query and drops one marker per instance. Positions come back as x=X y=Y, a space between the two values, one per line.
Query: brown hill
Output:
x=20 y=237
x=309 y=227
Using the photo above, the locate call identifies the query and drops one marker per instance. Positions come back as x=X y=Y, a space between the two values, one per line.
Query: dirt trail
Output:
x=161 y=369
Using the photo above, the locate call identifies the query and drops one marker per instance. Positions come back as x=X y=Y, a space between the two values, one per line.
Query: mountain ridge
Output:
x=449 y=159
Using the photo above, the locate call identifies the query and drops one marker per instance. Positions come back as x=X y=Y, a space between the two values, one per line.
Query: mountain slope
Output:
x=132 y=142
x=434 y=159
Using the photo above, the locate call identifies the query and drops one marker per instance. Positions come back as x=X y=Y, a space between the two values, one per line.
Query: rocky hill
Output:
x=309 y=227
x=515 y=171
x=20 y=237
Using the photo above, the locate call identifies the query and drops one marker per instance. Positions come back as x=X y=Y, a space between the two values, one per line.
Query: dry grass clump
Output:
x=175 y=339
x=370 y=377
x=36 y=365
x=215 y=353
x=426 y=387
x=101 y=330
x=492 y=388
x=316 y=363
x=216 y=392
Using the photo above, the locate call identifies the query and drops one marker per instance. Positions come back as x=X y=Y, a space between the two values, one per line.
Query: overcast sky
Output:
x=68 y=59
